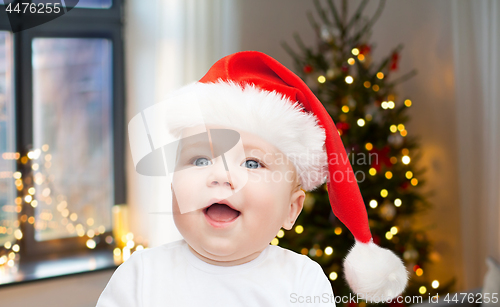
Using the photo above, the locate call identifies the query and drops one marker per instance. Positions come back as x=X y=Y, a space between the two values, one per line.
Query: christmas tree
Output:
x=370 y=116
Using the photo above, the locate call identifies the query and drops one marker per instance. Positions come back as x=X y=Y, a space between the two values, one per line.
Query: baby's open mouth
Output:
x=221 y=213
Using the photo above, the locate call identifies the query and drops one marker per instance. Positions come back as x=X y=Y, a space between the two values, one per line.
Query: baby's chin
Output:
x=221 y=250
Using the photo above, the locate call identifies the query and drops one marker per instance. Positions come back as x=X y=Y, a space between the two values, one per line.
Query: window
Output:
x=8 y=214
x=61 y=136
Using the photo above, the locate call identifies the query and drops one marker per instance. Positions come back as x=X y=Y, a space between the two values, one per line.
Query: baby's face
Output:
x=255 y=194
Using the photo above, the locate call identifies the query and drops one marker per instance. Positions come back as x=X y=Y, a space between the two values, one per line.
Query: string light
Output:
x=333 y=275
x=380 y=75
x=372 y=171
x=349 y=79
x=408 y=103
x=397 y=202
x=405 y=159
x=299 y=229
x=355 y=51
x=401 y=127
x=422 y=290
x=393 y=160
x=409 y=174
x=394 y=230
x=351 y=61
x=281 y=233
x=18 y=234
x=345 y=109
x=321 y=79
x=414 y=181
x=338 y=230
x=388 y=235
x=419 y=272
x=361 y=122
x=390 y=104
x=312 y=252
x=91 y=244
x=373 y=203
x=375 y=88
x=393 y=128
x=404 y=133
x=275 y=241
x=435 y=284
x=361 y=57
x=369 y=146
x=328 y=250
x=384 y=193
x=384 y=105
x=367 y=84
x=388 y=174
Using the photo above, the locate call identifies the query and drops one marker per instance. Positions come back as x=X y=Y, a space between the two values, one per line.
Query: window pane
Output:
x=96 y=4
x=72 y=130
x=8 y=212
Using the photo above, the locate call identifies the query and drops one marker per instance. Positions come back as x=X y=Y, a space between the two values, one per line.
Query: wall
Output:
x=424 y=27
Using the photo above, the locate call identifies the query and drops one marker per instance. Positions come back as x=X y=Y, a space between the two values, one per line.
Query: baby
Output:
x=252 y=137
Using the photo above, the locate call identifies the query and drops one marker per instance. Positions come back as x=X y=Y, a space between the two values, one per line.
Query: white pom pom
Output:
x=375 y=273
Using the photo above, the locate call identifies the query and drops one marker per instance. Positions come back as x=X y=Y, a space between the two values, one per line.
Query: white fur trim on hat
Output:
x=374 y=272
x=269 y=115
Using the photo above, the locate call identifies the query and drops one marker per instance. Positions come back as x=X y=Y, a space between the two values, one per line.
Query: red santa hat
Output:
x=253 y=92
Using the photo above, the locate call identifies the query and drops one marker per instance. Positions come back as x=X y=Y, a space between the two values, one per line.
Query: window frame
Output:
x=78 y=23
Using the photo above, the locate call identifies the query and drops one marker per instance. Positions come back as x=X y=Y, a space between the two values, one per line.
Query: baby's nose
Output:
x=219 y=175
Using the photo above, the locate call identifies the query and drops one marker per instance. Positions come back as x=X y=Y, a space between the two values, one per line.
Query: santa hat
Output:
x=255 y=93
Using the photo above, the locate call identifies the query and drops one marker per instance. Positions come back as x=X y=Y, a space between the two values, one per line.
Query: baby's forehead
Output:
x=249 y=140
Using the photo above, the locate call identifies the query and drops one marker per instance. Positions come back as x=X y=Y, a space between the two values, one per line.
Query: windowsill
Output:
x=40 y=270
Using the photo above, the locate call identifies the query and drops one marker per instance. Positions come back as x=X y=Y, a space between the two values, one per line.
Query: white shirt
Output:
x=171 y=275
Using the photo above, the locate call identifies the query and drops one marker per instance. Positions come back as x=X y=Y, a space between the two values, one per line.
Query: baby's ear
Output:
x=294 y=208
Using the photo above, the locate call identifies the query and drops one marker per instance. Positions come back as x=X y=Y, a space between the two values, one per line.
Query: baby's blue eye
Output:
x=253 y=164
x=202 y=162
